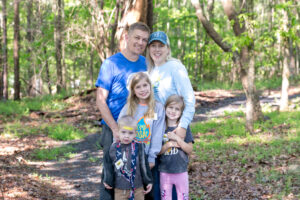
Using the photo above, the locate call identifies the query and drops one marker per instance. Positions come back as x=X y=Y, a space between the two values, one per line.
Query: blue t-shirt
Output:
x=113 y=76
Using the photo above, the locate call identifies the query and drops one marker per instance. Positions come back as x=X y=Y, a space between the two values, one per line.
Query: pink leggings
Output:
x=181 y=183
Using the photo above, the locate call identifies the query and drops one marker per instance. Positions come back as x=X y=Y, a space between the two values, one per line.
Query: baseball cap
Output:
x=159 y=36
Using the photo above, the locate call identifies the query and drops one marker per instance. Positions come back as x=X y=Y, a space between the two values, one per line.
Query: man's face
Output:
x=137 y=41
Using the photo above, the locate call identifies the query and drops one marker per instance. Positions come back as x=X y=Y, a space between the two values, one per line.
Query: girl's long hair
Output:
x=132 y=99
x=174 y=99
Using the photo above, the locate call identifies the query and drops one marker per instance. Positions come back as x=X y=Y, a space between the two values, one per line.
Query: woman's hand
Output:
x=181 y=132
x=173 y=136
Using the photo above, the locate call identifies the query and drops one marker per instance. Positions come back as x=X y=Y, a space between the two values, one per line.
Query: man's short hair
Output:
x=140 y=26
x=127 y=120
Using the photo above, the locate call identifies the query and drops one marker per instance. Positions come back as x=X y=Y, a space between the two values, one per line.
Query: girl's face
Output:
x=142 y=90
x=173 y=111
x=158 y=52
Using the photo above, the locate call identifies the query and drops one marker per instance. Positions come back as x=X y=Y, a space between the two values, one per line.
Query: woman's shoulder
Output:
x=175 y=63
x=158 y=105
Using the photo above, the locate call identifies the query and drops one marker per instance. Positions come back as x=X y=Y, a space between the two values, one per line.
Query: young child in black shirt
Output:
x=126 y=168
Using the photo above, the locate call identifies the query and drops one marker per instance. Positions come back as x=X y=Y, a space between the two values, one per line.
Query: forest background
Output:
x=51 y=47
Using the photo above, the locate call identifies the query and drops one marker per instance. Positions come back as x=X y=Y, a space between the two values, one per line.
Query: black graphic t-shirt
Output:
x=175 y=160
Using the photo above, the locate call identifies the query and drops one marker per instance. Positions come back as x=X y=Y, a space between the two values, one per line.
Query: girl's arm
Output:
x=186 y=147
x=168 y=145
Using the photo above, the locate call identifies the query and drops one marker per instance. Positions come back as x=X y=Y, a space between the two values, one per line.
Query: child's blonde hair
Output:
x=133 y=101
x=175 y=99
x=128 y=121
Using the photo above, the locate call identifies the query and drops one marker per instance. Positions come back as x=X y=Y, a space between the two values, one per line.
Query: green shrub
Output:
x=64 y=132
x=52 y=154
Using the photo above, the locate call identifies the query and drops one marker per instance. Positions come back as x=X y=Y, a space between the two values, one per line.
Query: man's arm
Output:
x=102 y=95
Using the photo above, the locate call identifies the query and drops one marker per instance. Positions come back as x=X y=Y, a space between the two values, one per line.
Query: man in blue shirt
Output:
x=112 y=80
x=111 y=83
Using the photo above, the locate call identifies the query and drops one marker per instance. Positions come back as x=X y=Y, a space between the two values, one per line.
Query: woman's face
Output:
x=158 y=52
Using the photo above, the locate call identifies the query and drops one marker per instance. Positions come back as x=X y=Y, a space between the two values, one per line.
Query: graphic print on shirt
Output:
x=156 y=84
x=143 y=131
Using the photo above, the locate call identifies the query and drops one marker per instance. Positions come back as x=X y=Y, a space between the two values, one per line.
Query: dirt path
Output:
x=79 y=177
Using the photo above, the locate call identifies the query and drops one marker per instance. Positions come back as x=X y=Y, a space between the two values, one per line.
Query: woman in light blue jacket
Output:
x=169 y=76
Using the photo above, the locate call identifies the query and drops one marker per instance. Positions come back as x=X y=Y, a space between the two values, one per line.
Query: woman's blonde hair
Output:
x=175 y=99
x=132 y=99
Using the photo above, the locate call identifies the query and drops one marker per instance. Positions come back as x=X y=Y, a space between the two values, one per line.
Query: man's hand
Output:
x=149 y=188
x=115 y=132
x=107 y=186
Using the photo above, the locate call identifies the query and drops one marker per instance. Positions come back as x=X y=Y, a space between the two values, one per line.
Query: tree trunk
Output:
x=4 y=51
x=91 y=71
x=58 y=44
x=1 y=70
x=17 y=85
x=47 y=72
x=150 y=14
x=285 y=70
x=64 y=70
x=244 y=60
x=29 y=39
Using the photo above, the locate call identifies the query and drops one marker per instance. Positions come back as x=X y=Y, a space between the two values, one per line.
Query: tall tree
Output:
x=17 y=84
x=286 y=56
x=29 y=37
x=243 y=59
x=4 y=52
x=58 y=43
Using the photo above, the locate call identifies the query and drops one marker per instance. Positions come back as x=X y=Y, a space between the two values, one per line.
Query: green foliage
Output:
x=27 y=105
x=9 y=108
x=64 y=132
x=53 y=154
x=18 y=129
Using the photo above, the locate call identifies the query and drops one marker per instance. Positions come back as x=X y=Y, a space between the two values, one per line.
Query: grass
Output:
x=61 y=132
x=11 y=109
x=276 y=142
x=54 y=153
x=64 y=132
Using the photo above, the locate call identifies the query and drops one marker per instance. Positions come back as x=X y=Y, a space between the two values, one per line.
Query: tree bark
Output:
x=17 y=84
x=244 y=60
x=286 y=70
x=4 y=52
x=91 y=71
x=58 y=44
x=47 y=72
x=28 y=47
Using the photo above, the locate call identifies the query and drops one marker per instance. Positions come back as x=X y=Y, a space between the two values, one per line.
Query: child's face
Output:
x=127 y=134
x=173 y=111
x=142 y=90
